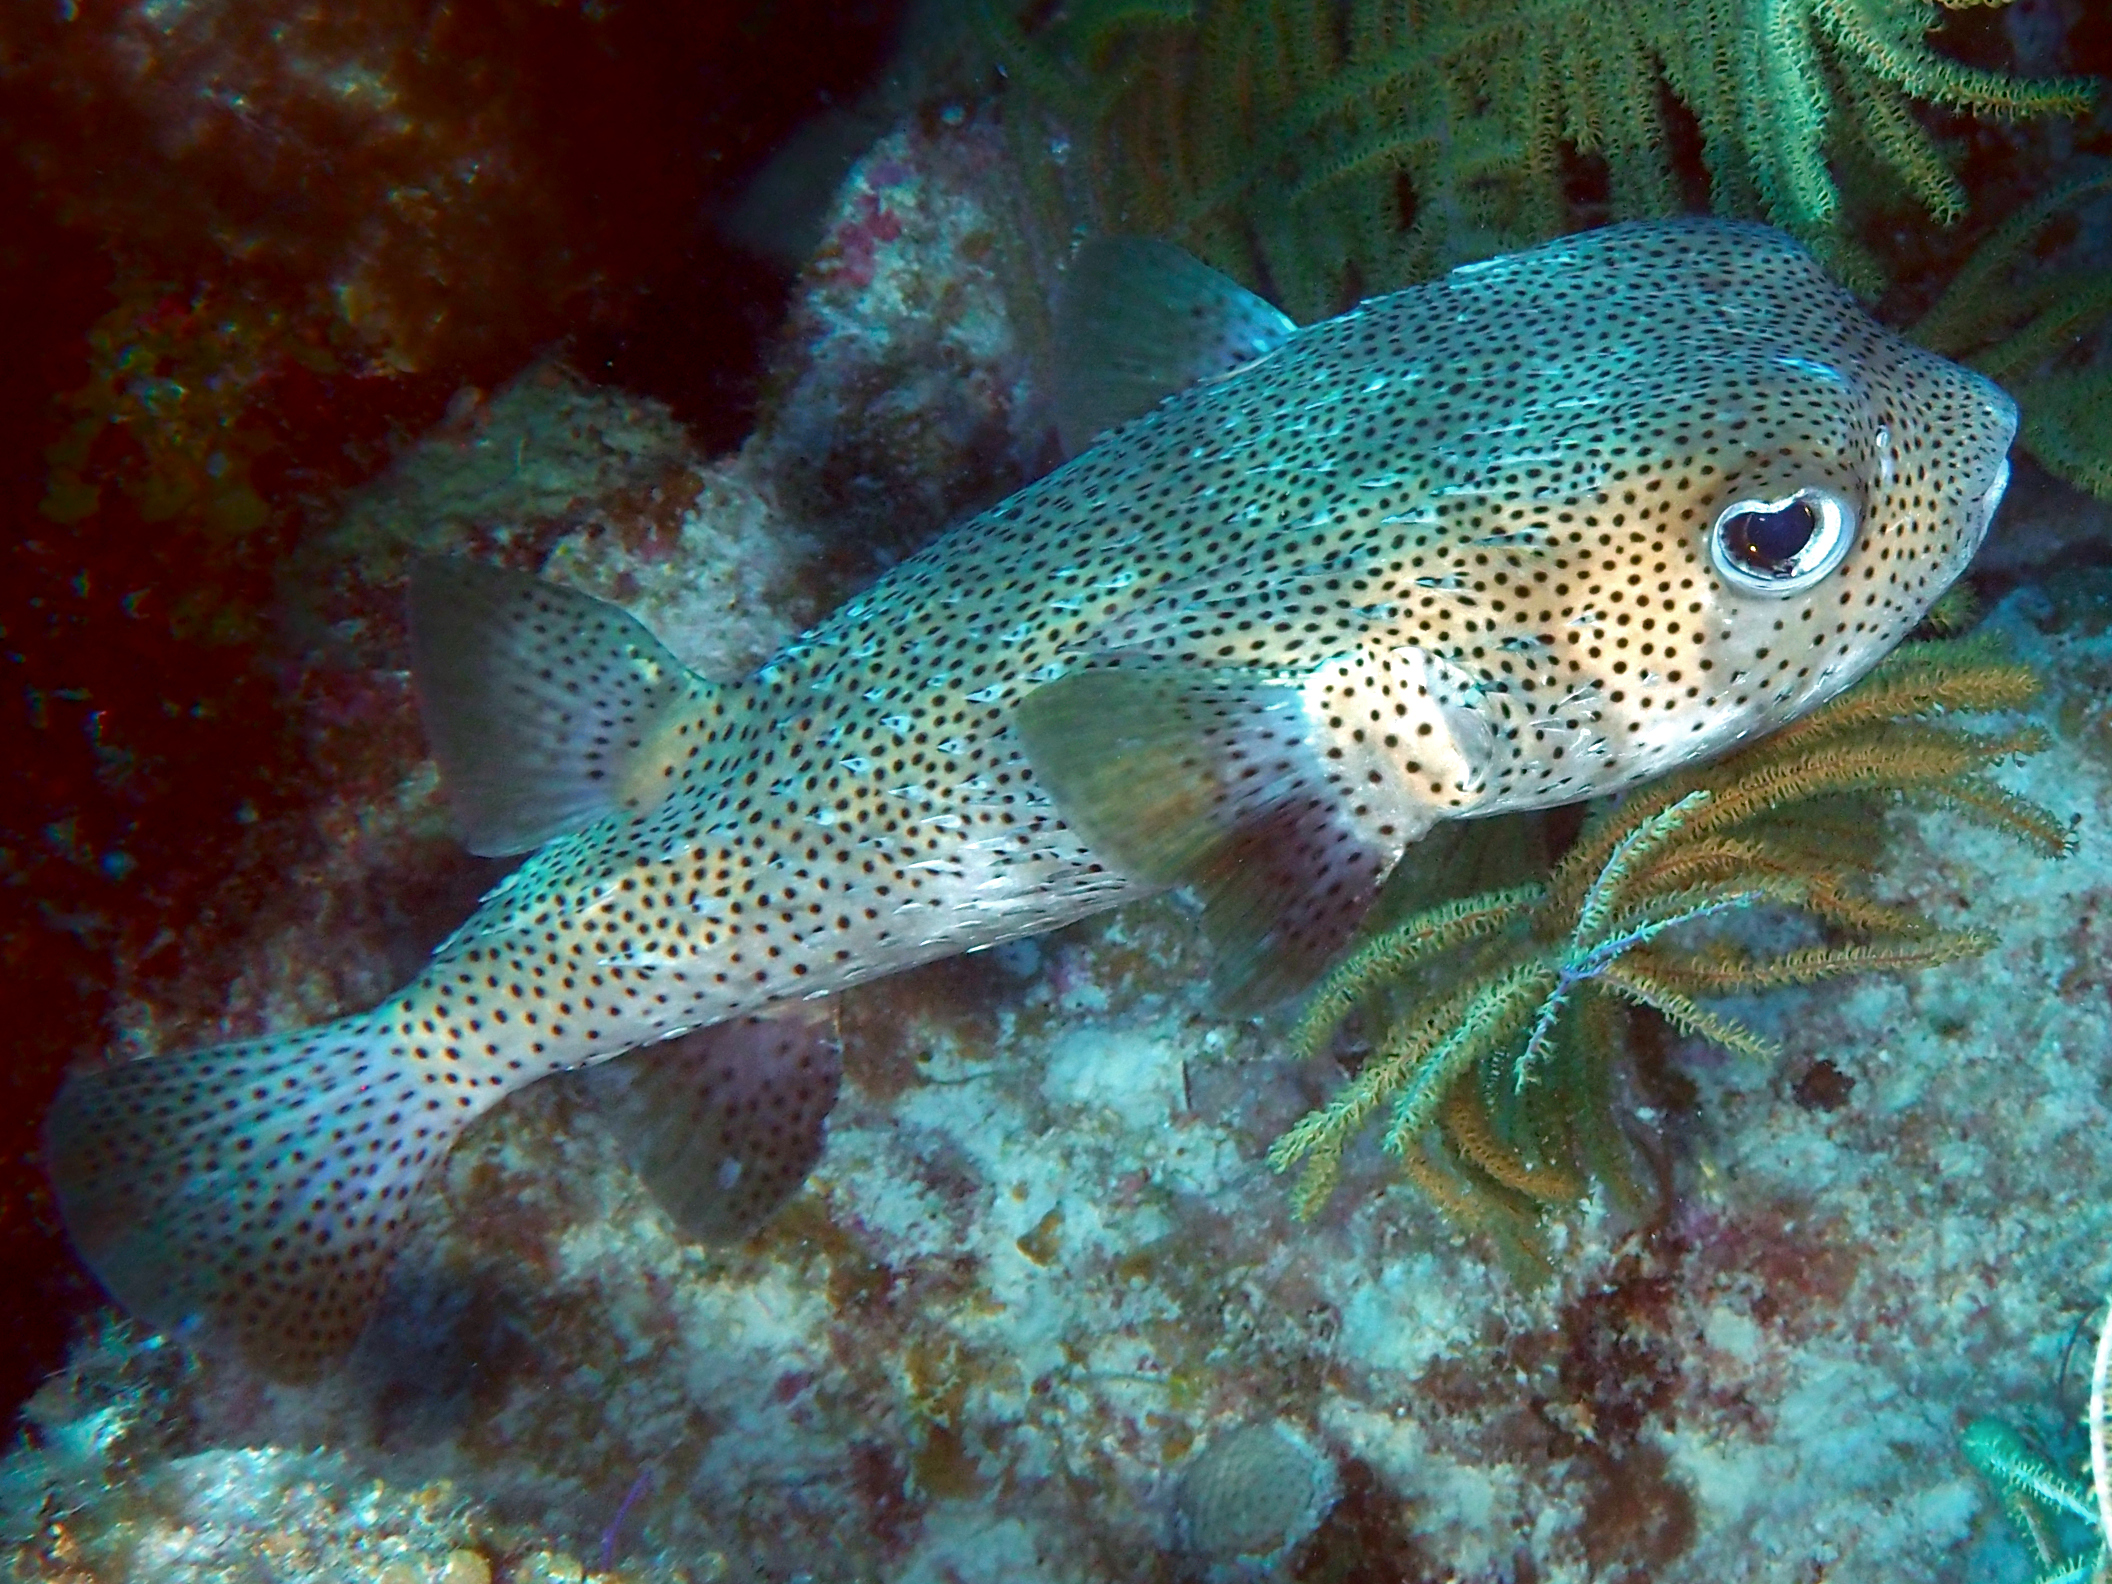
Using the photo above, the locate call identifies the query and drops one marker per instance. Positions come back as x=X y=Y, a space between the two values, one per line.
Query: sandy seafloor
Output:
x=1042 y=1266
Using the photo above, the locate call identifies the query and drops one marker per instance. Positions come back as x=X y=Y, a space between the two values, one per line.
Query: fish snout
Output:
x=1950 y=426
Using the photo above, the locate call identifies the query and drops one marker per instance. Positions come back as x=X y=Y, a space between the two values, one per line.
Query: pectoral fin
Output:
x=547 y=709
x=1138 y=320
x=1216 y=780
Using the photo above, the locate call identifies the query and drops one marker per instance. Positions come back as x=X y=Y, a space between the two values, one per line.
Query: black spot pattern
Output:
x=1465 y=524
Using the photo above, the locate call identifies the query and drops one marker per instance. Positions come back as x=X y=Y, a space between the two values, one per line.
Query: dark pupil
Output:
x=1770 y=541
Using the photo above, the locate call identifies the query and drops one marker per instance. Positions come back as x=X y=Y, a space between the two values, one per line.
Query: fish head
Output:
x=1556 y=524
x=1853 y=477
x=1942 y=459
x=1744 y=492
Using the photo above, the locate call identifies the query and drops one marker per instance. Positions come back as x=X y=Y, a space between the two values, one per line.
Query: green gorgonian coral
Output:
x=1494 y=1019
x=2040 y=1501
x=1327 y=149
x=1324 y=150
x=2027 y=322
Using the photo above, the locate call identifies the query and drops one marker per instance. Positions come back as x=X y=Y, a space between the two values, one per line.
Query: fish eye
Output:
x=1781 y=546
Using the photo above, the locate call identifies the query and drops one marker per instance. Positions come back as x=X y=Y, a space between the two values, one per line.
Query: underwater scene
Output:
x=974 y=792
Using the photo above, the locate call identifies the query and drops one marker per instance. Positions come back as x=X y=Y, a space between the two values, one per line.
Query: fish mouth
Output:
x=1980 y=512
x=2001 y=412
x=1992 y=496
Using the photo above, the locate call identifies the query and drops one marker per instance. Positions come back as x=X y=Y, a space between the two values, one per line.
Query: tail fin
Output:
x=251 y=1195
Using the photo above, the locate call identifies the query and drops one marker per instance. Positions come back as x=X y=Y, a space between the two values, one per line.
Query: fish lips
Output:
x=1980 y=511
x=1984 y=508
x=1979 y=419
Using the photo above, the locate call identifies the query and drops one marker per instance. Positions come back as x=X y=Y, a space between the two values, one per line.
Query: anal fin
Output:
x=724 y=1123
x=1213 y=779
x=548 y=709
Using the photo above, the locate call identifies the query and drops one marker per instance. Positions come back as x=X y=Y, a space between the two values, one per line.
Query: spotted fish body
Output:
x=1520 y=537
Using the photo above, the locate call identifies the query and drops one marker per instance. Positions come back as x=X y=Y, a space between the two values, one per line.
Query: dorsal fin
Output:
x=546 y=708
x=723 y=1124
x=1189 y=776
x=1139 y=319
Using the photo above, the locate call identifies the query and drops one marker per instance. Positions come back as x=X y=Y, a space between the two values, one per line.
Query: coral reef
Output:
x=1497 y=1080
x=902 y=398
x=2037 y=325
x=333 y=901
x=1043 y=1276
x=1322 y=153
x=252 y=251
x=1246 y=1502
x=1043 y=1264
x=2040 y=1500
x=420 y=184
x=324 y=902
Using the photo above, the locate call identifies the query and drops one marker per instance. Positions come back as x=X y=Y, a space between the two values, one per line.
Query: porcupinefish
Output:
x=1534 y=532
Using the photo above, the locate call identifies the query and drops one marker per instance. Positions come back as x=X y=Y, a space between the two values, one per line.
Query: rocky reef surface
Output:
x=1042 y=1312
